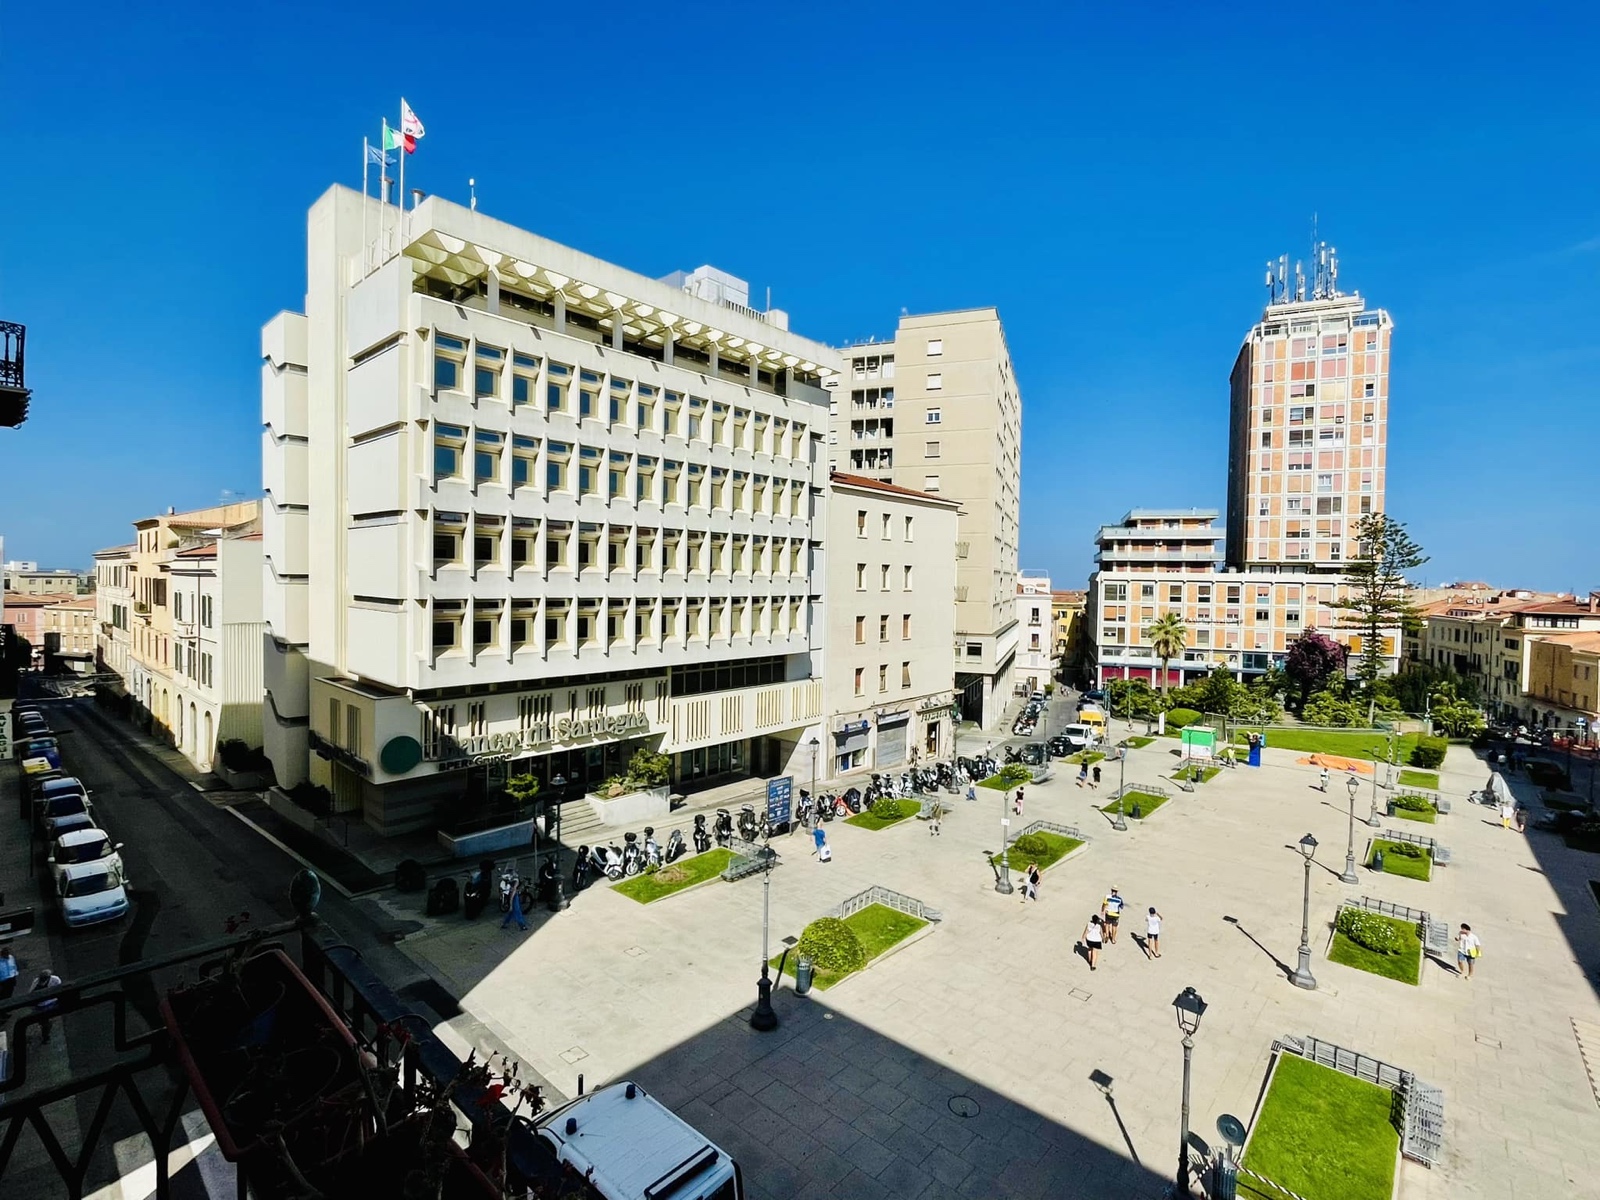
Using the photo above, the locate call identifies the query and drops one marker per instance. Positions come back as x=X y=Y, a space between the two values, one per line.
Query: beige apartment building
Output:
x=1067 y=620
x=24 y=582
x=937 y=409
x=69 y=635
x=1564 y=682
x=529 y=512
x=891 y=602
x=113 y=613
x=1036 y=656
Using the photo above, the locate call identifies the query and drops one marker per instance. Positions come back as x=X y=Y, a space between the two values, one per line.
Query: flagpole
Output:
x=401 y=240
x=366 y=171
x=383 y=190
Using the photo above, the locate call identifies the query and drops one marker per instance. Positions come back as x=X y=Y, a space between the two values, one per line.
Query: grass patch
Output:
x=686 y=872
x=1365 y=744
x=1401 y=864
x=1406 y=967
x=1056 y=847
x=1324 y=1134
x=1420 y=779
x=1146 y=802
x=871 y=820
x=1426 y=816
x=1007 y=778
x=1137 y=743
x=1086 y=757
x=1200 y=775
x=876 y=926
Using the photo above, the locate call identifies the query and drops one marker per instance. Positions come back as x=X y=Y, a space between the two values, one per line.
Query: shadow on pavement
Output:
x=1288 y=971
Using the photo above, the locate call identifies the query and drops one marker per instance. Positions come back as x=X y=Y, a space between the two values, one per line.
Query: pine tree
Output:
x=1380 y=598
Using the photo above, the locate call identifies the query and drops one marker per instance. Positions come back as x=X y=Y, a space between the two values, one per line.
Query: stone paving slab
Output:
x=850 y=1096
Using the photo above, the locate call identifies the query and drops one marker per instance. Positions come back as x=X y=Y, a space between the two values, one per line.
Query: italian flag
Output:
x=407 y=135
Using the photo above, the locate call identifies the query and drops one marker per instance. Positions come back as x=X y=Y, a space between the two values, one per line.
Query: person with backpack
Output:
x=1111 y=911
x=1468 y=948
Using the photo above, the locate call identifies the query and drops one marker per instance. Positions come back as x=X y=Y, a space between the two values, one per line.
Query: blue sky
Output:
x=1112 y=178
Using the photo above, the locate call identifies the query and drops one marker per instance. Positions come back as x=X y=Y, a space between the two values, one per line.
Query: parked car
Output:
x=32 y=725
x=61 y=805
x=85 y=846
x=1058 y=747
x=27 y=744
x=1080 y=737
x=91 y=892
x=1095 y=696
x=1033 y=754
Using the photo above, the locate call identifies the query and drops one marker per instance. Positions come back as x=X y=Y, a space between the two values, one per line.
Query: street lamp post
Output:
x=1372 y=816
x=1190 y=1008
x=1351 y=785
x=764 y=1019
x=1302 y=977
x=1121 y=823
x=1002 y=882
x=814 y=743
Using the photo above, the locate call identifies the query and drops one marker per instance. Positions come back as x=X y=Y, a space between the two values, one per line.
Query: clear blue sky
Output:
x=1112 y=177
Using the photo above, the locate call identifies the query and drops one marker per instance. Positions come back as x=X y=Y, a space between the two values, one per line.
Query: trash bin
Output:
x=803 y=967
x=1377 y=860
x=1138 y=813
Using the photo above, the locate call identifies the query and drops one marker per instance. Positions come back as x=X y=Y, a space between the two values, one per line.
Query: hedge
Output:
x=1179 y=717
x=1429 y=752
x=833 y=946
x=1370 y=930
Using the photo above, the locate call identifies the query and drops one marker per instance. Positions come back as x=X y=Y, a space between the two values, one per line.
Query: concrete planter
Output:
x=240 y=781
x=632 y=808
x=485 y=841
x=278 y=801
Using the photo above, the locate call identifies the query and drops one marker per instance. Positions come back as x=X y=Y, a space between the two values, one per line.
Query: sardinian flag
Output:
x=411 y=130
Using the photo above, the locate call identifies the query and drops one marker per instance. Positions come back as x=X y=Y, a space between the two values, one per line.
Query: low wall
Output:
x=632 y=808
x=484 y=841
x=278 y=801
x=240 y=781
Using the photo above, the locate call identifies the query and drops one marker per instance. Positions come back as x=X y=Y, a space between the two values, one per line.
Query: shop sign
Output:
x=489 y=747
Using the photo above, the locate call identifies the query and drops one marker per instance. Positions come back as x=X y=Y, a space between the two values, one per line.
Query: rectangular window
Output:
x=930 y=483
x=486 y=371
x=933 y=417
x=861 y=577
x=908 y=529
x=883 y=577
x=883 y=677
x=935 y=381
x=524 y=460
x=883 y=628
x=861 y=522
x=905 y=582
x=905 y=627
x=555 y=471
x=860 y=672
x=449 y=446
x=449 y=359
x=861 y=630
x=931 y=450
x=617 y=482
x=588 y=470
x=935 y=347
x=446 y=631
x=486 y=455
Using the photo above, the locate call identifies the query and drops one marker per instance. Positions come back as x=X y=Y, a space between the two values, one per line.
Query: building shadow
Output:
x=1288 y=971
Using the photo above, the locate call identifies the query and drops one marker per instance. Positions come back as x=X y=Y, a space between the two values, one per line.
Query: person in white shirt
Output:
x=1152 y=931
x=1467 y=950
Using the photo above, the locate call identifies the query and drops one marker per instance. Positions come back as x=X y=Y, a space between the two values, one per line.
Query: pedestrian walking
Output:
x=43 y=981
x=818 y=836
x=1093 y=939
x=1094 y=784
x=1030 y=886
x=1111 y=910
x=8 y=973
x=514 y=913
x=935 y=819
x=1508 y=810
x=824 y=851
x=1522 y=819
x=1468 y=948
x=972 y=792
x=1322 y=779
x=1016 y=803
x=1152 y=931
x=1083 y=773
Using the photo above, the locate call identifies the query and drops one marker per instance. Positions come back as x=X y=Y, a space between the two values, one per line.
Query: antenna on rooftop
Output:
x=472 y=194
x=1299 y=281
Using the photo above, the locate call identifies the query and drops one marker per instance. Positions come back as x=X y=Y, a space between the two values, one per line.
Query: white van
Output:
x=1081 y=737
x=629 y=1146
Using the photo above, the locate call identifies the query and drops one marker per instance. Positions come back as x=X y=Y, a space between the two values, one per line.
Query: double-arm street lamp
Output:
x=1302 y=977
x=1351 y=785
x=1190 y=1008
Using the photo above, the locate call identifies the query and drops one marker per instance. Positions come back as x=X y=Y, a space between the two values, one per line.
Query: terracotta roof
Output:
x=1564 y=607
x=249 y=537
x=74 y=602
x=1587 y=640
x=875 y=485
x=1070 y=596
x=17 y=600
x=116 y=549
x=209 y=550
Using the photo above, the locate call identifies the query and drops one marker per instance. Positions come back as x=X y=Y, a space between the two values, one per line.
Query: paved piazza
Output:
x=851 y=1096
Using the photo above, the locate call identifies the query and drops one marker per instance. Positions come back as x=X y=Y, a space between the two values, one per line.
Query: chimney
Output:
x=1594 y=601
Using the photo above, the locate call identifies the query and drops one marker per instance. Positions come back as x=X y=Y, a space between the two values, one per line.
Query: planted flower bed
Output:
x=685 y=873
x=1402 y=858
x=1041 y=847
x=1414 y=808
x=839 y=947
x=885 y=812
x=1380 y=945
x=1145 y=802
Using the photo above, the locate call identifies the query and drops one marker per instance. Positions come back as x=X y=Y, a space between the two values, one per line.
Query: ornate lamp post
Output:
x=1121 y=823
x=1352 y=785
x=764 y=1019
x=1190 y=1008
x=1302 y=977
x=1002 y=881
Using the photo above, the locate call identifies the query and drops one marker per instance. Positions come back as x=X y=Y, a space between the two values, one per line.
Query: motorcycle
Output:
x=632 y=855
x=475 y=896
x=852 y=799
x=702 y=839
x=724 y=828
x=748 y=829
x=607 y=861
x=676 y=848
x=652 y=849
x=581 y=870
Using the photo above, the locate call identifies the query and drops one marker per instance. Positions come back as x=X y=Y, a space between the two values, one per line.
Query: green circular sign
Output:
x=400 y=754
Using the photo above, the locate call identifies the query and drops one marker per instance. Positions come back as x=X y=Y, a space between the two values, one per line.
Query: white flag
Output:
x=410 y=126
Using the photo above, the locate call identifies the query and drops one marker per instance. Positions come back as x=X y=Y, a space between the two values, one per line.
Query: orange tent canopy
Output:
x=1335 y=762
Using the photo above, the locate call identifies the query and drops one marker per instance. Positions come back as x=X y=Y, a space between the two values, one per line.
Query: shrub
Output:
x=238 y=755
x=833 y=946
x=887 y=808
x=1030 y=845
x=1429 y=752
x=1179 y=717
x=1013 y=774
x=1370 y=930
x=312 y=797
x=1405 y=850
x=1412 y=803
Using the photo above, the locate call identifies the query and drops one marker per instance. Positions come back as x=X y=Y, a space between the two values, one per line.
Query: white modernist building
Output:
x=528 y=512
x=113 y=608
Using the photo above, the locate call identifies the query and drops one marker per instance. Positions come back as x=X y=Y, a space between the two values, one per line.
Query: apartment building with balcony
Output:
x=528 y=511
x=891 y=601
x=1067 y=609
x=113 y=613
x=69 y=637
x=1563 y=687
x=1036 y=656
x=26 y=616
x=942 y=399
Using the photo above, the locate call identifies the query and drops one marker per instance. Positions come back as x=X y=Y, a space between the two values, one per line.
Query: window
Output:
x=617 y=481
x=905 y=675
x=486 y=371
x=450 y=355
x=486 y=456
x=1266 y=441
x=485 y=545
x=905 y=627
x=883 y=577
x=446 y=631
x=884 y=532
x=933 y=417
x=524 y=378
x=935 y=347
x=905 y=581
x=930 y=483
x=861 y=630
x=620 y=390
x=883 y=677
x=555 y=623
x=861 y=522
x=524 y=536
x=883 y=628
x=555 y=471
x=556 y=536
x=930 y=450
x=861 y=577
x=588 y=395
x=935 y=381
x=485 y=631
x=555 y=392
x=697 y=481
x=449 y=445
x=719 y=485
x=1263 y=614
x=524 y=460
x=860 y=671
x=645 y=480
x=448 y=530
x=588 y=470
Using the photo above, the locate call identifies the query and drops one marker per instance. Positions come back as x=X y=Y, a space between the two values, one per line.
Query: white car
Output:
x=85 y=846
x=91 y=892
x=1080 y=737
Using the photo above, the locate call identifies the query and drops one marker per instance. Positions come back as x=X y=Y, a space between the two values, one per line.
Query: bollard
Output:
x=803 y=968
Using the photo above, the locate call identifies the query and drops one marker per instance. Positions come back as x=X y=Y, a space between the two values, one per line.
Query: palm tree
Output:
x=1168 y=636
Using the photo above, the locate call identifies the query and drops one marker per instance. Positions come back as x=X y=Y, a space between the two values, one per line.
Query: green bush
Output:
x=1429 y=752
x=1370 y=930
x=833 y=946
x=1405 y=850
x=1412 y=803
x=1179 y=717
x=1030 y=845
x=1013 y=774
x=886 y=808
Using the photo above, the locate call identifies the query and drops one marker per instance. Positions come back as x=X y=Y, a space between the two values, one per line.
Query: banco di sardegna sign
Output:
x=518 y=741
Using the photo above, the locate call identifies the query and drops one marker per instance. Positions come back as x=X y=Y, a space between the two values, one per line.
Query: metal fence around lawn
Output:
x=887 y=897
x=1435 y=932
x=1418 y=1110
x=1070 y=831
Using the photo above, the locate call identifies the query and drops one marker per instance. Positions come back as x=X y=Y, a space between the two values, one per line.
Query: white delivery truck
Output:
x=629 y=1146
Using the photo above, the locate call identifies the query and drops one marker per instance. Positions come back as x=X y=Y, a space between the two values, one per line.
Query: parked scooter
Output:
x=676 y=847
x=724 y=828
x=581 y=870
x=652 y=849
x=607 y=861
x=702 y=838
x=852 y=799
x=475 y=896
x=748 y=829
